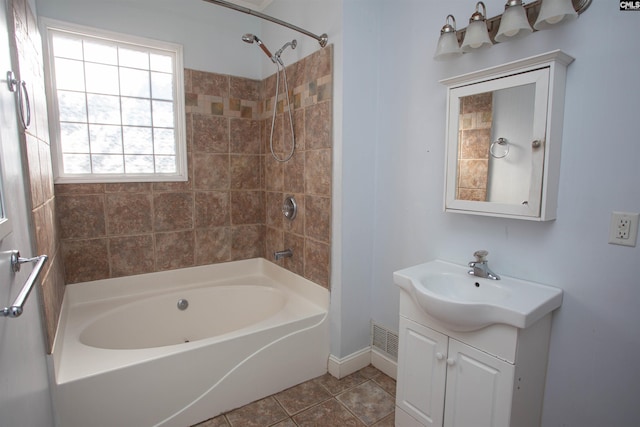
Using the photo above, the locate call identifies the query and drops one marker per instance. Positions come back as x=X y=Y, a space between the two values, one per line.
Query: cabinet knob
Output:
x=439 y=356
x=451 y=362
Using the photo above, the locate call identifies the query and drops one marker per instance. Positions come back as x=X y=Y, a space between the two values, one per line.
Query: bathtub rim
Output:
x=140 y=284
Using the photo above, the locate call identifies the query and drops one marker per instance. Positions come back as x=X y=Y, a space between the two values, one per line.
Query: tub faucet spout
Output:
x=283 y=254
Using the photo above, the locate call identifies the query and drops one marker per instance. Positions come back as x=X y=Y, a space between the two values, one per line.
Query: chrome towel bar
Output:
x=15 y=310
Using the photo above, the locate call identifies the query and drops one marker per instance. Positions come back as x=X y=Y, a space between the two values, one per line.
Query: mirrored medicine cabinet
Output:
x=504 y=134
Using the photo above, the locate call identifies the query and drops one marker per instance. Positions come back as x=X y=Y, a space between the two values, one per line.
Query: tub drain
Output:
x=183 y=304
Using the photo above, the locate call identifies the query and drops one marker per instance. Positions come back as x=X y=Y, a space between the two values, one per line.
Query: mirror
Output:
x=503 y=137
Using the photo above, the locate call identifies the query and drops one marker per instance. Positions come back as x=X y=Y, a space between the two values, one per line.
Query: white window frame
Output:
x=49 y=27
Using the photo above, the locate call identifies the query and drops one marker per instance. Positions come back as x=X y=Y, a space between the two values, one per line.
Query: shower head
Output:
x=293 y=43
x=250 y=38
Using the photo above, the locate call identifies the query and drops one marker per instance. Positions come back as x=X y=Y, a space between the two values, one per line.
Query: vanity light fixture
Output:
x=514 y=22
x=553 y=12
x=448 y=46
x=477 y=35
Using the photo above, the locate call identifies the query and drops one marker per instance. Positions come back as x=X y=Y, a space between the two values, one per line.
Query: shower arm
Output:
x=322 y=39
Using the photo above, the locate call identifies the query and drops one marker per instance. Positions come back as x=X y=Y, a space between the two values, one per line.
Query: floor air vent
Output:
x=384 y=340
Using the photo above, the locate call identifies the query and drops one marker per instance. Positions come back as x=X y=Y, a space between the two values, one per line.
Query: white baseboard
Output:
x=341 y=367
x=384 y=363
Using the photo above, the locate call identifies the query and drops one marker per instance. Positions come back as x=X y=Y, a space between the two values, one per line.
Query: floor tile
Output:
x=302 y=396
x=369 y=372
x=329 y=413
x=388 y=421
x=219 y=421
x=337 y=386
x=286 y=423
x=262 y=413
x=368 y=401
x=387 y=383
x=364 y=398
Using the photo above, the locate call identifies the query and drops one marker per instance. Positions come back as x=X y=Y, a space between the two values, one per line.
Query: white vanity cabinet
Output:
x=491 y=377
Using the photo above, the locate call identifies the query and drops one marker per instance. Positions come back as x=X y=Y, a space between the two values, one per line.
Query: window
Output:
x=116 y=106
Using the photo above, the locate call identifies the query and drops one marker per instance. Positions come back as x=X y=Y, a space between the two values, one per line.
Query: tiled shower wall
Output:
x=26 y=48
x=474 y=142
x=307 y=176
x=229 y=209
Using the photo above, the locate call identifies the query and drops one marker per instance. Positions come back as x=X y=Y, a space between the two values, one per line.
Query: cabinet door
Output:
x=421 y=372
x=479 y=388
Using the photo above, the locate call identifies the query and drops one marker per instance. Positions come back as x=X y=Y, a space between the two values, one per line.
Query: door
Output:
x=421 y=372
x=479 y=388
x=24 y=388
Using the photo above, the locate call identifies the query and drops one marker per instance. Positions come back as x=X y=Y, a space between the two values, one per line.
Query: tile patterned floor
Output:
x=364 y=398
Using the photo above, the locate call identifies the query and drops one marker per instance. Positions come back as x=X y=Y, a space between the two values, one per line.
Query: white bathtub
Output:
x=126 y=355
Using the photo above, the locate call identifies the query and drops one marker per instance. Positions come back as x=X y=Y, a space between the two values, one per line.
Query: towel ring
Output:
x=501 y=142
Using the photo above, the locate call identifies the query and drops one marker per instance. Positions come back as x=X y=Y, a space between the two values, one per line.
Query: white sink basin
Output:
x=462 y=302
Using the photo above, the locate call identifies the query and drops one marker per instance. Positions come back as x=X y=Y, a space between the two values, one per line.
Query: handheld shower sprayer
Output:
x=250 y=38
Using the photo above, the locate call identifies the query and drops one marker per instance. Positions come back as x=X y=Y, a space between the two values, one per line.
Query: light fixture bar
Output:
x=532 y=10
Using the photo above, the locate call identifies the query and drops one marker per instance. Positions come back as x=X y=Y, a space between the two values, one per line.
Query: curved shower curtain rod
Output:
x=322 y=39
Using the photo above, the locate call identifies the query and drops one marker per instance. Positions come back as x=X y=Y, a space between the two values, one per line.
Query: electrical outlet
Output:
x=624 y=228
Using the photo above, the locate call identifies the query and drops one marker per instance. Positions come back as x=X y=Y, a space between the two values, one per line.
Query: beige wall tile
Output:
x=175 y=250
x=318 y=128
x=317 y=256
x=245 y=136
x=247 y=241
x=173 y=211
x=130 y=255
x=243 y=88
x=85 y=260
x=247 y=207
x=210 y=134
x=209 y=83
x=211 y=171
x=317 y=178
x=128 y=213
x=81 y=215
x=317 y=224
x=213 y=245
x=212 y=209
x=296 y=244
x=245 y=172
x=230 y=208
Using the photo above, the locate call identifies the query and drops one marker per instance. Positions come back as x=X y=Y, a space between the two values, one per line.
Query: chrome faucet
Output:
x=480 y=267
x=283 y=254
